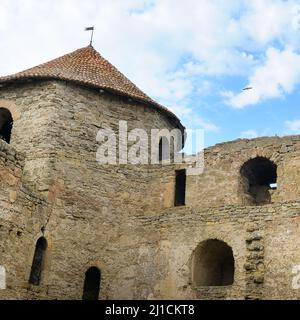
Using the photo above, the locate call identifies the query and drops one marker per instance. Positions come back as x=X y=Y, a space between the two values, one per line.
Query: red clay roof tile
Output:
x=87 y=67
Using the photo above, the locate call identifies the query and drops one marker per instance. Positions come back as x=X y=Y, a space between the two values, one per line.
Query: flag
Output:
x=89 y=29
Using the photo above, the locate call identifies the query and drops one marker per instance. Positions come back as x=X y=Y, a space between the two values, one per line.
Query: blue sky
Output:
x=193 y=56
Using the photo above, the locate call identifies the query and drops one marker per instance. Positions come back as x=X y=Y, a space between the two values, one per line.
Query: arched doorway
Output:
x=91 y=287
x=213 y=264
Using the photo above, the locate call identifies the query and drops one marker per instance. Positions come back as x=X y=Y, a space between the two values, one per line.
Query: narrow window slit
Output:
x=38 y=261
x=180 y=188
x=91 y=287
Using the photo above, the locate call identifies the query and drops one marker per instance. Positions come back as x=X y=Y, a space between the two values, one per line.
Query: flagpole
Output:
x=92 y=35
x=91 y=42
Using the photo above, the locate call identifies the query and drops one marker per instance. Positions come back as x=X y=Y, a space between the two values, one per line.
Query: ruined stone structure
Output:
x=71 y=228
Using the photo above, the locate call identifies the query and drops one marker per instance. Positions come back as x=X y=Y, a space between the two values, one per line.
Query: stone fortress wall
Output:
x=263 y=237
x=235 y=237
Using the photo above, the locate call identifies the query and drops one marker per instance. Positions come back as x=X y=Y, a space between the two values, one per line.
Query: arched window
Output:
x=213 y=264
x=6 y=124
x=258 y=179
x=38 y=261
x=91 y=287
x=164 y=149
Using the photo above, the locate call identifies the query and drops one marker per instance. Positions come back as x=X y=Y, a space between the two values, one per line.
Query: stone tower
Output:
x=57 y=191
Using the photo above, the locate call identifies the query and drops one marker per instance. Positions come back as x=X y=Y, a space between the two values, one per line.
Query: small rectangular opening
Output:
x=180 y=185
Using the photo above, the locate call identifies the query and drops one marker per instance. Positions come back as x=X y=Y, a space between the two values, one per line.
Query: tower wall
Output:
x=23 y=212
x=90 y=204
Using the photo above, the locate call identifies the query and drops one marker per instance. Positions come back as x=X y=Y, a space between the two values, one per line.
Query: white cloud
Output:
x=293 y=126
x=278 y=76
x=192 y=120
x=205 y=87
x=170 y=49
x=227 y=94
x=252 y=134
x=249 y=134
x=267 y=20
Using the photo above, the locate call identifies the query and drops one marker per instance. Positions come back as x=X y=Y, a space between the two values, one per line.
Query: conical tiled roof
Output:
x=87 y=67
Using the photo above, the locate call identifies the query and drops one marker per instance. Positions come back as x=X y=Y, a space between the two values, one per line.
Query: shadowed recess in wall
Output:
x=180 y=187
x=213 y=264
x=6 y=124
x=91 y=287
x=38 y=261
x=258 y=181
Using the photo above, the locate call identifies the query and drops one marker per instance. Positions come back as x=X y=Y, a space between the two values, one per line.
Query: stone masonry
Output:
x=122 y=220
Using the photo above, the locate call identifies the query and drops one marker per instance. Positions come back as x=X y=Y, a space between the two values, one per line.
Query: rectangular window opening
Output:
x=180 y=187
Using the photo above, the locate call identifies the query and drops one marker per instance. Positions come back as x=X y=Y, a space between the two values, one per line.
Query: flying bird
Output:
x=247 y=88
